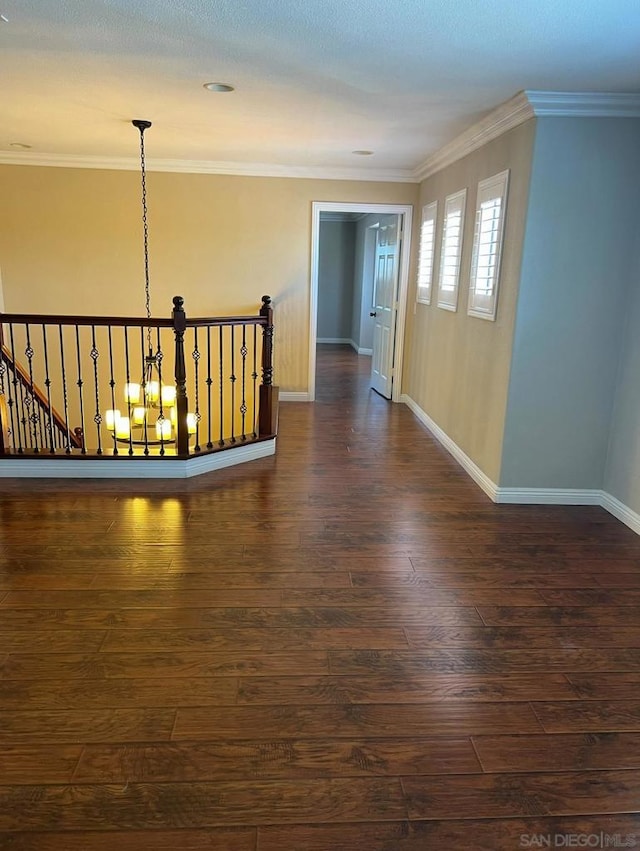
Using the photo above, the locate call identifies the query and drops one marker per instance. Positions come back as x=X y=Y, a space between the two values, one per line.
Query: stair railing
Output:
x=33 y=410
x=110 y=375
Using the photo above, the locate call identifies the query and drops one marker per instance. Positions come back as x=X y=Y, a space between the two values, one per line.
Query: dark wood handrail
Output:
x=226 y=320
x=62 y=319
x=121 y=321
x=74 y=435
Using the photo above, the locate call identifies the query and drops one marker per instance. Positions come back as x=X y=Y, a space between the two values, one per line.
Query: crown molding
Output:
x=585 y=104
x=207 y=167
x=505 y=117
x=529 y=104
x=513 y=112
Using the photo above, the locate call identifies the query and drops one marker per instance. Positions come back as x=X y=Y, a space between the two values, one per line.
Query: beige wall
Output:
x=71 y=242
x=457 y=366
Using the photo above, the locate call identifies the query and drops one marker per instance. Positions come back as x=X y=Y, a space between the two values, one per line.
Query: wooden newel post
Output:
x=182 y=404
x=268 y=398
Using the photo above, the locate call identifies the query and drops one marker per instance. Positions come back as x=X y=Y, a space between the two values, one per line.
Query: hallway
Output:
x=345 y=647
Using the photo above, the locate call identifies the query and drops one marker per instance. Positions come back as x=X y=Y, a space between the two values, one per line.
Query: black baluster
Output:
x=3 y=368
x=232 y=379
x=80 y=384
x=18 y=400
x=159 y=357
x=146 y=376
x=23 y=418
x=243 y=404
x=128 y=381
x=221 y=391
x=64 y=393
x=40 y=426
x=254 y=376
x=13 y=413
x=112 y=381
x=209 y=383
x=18 y=407
x=5 y=442
x=47 y=384
x=94 y=355
x=9 y=367
x=196 y=361
x=31 y=396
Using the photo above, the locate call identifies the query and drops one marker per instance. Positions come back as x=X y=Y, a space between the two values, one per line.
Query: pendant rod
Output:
x=143 y=125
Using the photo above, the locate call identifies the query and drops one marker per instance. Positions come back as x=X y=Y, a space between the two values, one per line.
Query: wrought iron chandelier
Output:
x=151 y=404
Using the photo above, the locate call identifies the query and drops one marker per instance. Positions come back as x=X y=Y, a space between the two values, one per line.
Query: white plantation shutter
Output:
x=487 y=246
x=426 y=252
x=452 y=233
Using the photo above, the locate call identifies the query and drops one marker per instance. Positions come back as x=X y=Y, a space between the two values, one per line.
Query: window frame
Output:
x=484 y=305
x=454 y=203
x=423 y=291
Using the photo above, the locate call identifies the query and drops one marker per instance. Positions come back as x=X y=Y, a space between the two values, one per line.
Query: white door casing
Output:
x=402 y=263
x=385 y=287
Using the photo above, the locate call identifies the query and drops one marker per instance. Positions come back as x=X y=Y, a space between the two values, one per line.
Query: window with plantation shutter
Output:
x=426 y=252
x=487 y=246
x=451 y=251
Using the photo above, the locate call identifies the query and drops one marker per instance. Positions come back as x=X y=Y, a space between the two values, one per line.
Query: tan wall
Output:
x=457 y=366
x=71 y=242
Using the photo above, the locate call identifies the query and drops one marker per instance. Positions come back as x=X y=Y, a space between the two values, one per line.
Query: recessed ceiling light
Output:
x=219 y=87
x=4 y=18
x=362 y=153
x=22 y=145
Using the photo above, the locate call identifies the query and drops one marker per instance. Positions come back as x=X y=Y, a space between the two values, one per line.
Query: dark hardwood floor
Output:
x=347 y=646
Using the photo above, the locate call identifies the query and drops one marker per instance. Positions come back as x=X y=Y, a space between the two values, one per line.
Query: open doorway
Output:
x=363 y=250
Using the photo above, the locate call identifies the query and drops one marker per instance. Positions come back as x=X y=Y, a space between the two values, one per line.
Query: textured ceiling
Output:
x=315 y=79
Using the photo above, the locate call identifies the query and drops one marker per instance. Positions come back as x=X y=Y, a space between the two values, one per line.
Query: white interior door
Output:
x=385 y=294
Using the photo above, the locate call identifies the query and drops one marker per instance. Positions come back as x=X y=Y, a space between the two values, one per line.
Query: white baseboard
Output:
x=629 y=517
x=480 y=478
x=547 y=496
x=134 y=468
x=294 y=396
x=358 y=349
x=526 y=496
x=344 y=341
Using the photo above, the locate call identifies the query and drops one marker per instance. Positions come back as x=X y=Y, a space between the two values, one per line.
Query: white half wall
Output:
x=132 y=468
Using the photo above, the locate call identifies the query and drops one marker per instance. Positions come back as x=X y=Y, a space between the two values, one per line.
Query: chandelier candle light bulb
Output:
x=168 y=395
x=132 y=393
x=163 y=429
x=111 y=418
x=123 y=428
x=152 y=391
